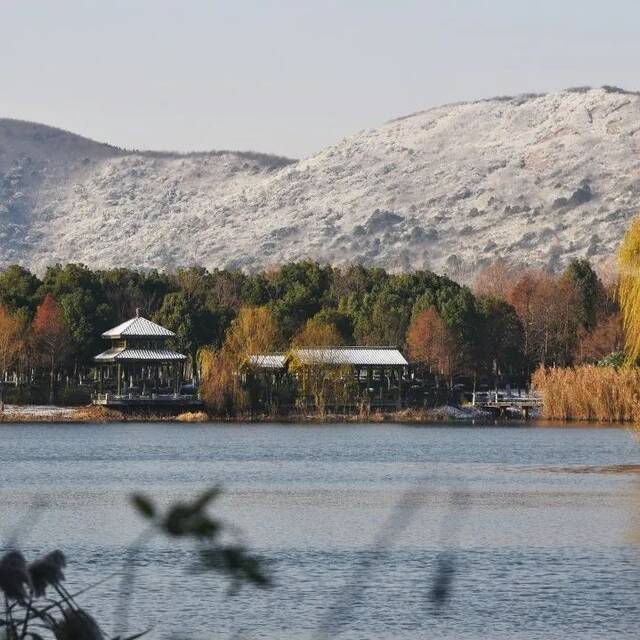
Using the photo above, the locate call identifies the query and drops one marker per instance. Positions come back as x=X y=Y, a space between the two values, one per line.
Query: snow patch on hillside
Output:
x=536 y=179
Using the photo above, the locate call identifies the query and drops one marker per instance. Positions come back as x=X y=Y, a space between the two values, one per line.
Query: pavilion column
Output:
x=178 y=373
x=119 y=374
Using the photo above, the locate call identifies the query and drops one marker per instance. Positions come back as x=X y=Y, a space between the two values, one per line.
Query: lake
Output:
x=538 y=523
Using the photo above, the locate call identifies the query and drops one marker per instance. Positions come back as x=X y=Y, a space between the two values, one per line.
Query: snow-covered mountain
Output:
x=537 y=179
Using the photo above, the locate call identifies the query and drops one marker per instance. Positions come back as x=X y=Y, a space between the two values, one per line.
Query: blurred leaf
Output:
x=176 y=523
x=203 y=500
x=237 y=563
x=190 y=519
x=144 y=505
x=204 y=527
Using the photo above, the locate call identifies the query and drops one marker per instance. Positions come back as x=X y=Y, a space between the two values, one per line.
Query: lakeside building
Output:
x=139 y=369
x=345 y=378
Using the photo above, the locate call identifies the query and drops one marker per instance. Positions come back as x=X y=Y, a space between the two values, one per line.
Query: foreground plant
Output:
x=30 y=614
x=190 y=520
x=37 y=605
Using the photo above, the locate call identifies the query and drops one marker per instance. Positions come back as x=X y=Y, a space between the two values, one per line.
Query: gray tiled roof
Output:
x=122 y=354
x=355 y=356
x=138 y=327
x=268 y=361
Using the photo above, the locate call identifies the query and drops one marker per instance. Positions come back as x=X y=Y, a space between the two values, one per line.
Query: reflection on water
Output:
x=611 y=468
x=543 y=547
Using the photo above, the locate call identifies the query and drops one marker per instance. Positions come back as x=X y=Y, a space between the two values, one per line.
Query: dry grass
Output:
x=98 y=414
x=588 y=392
x=193 y=416
x=64 y=416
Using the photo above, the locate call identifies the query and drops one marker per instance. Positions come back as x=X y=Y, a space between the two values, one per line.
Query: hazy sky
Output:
x=292 y=76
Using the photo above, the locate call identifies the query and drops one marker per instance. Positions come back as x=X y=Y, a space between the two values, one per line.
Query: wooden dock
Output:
x=503 y=403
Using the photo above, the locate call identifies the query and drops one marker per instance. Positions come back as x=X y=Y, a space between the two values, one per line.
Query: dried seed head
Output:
x=47 y=571
x=14 y=577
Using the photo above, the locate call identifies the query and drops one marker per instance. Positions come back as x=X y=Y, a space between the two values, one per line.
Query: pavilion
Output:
x=139 y=368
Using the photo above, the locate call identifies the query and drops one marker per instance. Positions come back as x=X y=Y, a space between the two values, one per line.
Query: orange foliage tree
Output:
x=545 y=306
x=51 y=336
x=12 y=336
x=432 y=344
x=607 y=337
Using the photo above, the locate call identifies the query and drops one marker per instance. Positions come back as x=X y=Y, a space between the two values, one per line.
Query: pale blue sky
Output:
x=292 y=76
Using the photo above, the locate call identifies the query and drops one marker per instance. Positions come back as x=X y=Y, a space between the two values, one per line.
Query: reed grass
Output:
x=588 y=392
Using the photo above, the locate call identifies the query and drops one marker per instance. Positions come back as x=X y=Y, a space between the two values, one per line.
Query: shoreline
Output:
x=448 y=414
x=45 y=414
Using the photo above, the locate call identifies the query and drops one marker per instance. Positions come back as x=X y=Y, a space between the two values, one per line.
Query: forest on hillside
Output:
x=499 y=331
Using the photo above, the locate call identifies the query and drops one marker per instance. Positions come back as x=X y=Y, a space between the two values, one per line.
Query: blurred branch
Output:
x=396 y=523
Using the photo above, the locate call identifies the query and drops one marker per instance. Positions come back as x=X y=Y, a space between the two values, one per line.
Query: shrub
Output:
x=192 y=416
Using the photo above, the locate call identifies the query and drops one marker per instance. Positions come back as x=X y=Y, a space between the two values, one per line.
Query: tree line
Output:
x=501 y=328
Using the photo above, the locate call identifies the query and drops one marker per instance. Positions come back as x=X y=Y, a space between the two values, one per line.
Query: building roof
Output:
x=138 y=327
x=122 y=354
x=268 y=360
x=355 y=356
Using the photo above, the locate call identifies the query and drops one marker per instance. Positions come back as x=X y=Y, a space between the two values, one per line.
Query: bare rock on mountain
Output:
x=537 y=179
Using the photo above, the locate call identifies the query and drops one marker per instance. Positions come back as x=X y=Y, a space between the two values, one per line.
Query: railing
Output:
x=105 y=398
x=504 y=398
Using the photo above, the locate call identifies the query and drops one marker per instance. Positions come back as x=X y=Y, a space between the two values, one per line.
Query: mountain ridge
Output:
x=536 y=179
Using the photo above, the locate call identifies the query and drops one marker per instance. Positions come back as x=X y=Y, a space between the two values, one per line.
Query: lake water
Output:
x=541 y=526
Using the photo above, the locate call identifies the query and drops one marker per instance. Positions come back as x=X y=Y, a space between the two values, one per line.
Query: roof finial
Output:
x=137 y=312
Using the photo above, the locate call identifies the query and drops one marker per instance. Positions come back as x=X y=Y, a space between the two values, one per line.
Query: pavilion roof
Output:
x=267 y=360
x=138 y=327
x=122 y=354
x=354 y=356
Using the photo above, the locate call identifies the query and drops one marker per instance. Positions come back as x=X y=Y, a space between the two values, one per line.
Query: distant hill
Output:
x=537 y=179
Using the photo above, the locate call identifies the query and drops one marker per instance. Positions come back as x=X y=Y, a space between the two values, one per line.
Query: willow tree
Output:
x=629 y=291
x=321 y=376
x=316 y=333
x=253 y=332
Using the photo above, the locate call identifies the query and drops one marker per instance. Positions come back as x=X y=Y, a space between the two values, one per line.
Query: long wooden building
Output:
x=354 y=376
